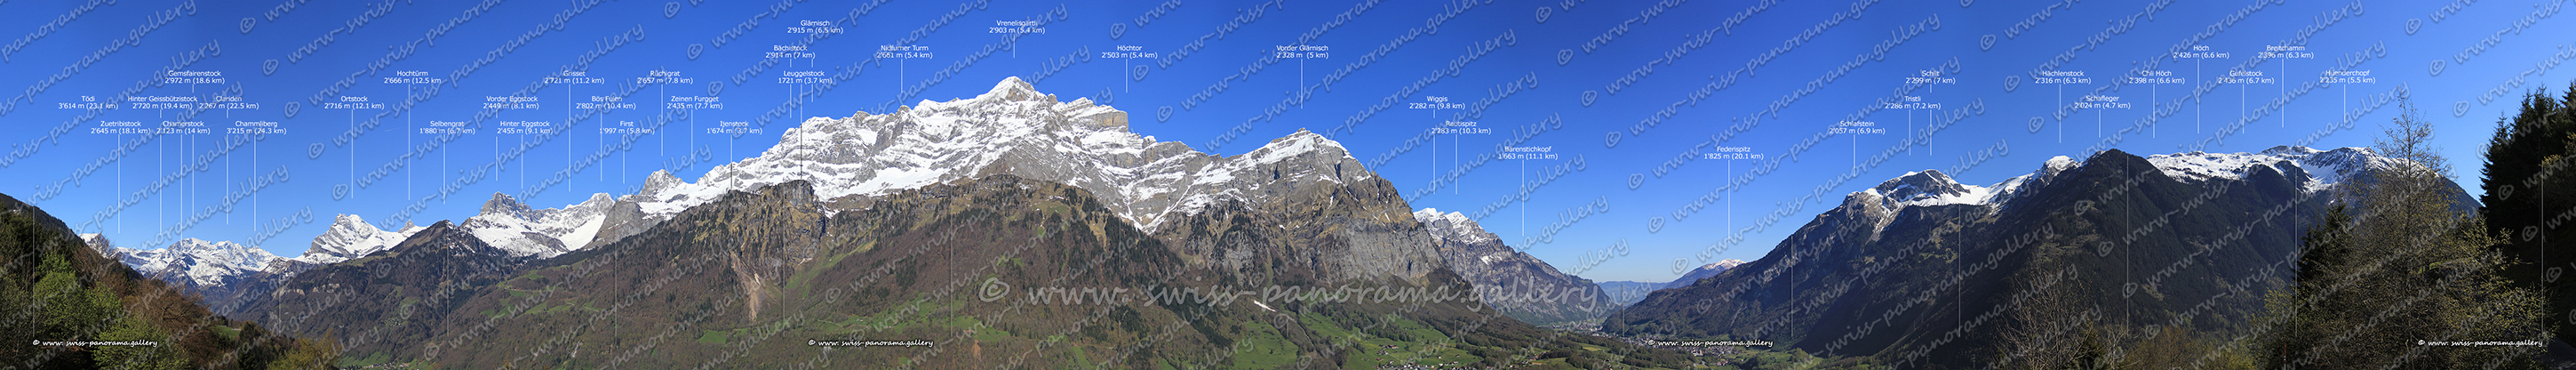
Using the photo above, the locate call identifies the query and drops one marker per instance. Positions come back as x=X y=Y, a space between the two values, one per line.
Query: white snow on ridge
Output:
x=1974 y=195
x=1454 y=225
x=1011 y=129
x=511 y=226
x=351 y=237
x=2324 y=167
x=1016 y=130
x=1926 y=188
x=202 y=262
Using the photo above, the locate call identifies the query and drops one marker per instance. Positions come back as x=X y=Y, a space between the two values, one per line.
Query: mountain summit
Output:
x=512 y=226
x=351 y=237
x=1011 y=129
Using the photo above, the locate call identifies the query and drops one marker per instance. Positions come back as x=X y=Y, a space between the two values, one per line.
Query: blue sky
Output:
x=315 y=47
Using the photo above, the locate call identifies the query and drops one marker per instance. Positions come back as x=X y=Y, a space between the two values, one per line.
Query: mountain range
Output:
x=946 y=192
x=909 y=208
x=1921 y=270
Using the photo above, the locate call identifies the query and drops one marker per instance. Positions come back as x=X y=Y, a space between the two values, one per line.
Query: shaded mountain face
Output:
x=389 y=296
x=1522 y=286
x=1920 y=272
x=770 y=269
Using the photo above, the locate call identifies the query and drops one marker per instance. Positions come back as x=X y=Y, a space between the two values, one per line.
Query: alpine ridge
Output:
x=854 y=225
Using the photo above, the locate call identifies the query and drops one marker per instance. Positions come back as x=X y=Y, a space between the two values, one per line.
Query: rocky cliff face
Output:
x=1300 y=204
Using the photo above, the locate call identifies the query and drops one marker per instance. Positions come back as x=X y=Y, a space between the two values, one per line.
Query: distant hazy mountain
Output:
x=1703 y=272
x=1624 y=293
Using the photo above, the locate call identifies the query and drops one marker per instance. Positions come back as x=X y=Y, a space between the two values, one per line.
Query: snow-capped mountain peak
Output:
x=1012 y=88
x=1298 y=143
x=1453 y=226
x=658 y=181
x=351 y=237
x=1724 y=264
x=1929 y=187
x=503 y=204
x=98 y=242
x=509 y=225
x=1010 y=129
x=1703 y=272
x=204 y=263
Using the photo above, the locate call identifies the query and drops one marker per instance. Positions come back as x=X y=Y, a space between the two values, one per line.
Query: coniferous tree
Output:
x=61 y=290
x=2527 y=179
x=2399 y=269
